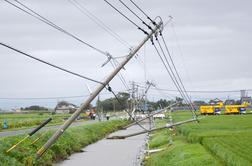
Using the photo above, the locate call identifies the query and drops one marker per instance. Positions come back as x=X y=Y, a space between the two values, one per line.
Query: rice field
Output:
x=216 y=140
x=20 y=121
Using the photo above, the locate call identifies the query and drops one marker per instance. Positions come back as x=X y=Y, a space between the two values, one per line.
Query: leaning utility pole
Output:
x=63 y=128
x=133 y=98
x=151 y=115
x=152 y=130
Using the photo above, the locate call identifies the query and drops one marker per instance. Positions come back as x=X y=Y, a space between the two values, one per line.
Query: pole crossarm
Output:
x=63 y=128
x=158 y=112
x=155 y=129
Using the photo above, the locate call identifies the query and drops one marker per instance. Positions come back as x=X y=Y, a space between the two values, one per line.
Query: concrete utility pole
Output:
x=135 y=99
x=98 y=109
x=152 y=130
x=149 y=84
x=133 y=107
x=63 y=128
x=151 y=115
x=172 y=128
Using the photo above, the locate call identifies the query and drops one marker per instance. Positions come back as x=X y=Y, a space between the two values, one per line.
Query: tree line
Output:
x=124 y=101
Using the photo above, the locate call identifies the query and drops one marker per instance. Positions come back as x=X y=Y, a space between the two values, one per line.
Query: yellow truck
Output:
x=236 y=109
x=211 y=109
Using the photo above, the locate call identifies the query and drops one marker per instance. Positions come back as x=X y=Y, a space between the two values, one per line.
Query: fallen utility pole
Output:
x=30 y=134
x=159 y=128
x=158 y=112
x=63 y=128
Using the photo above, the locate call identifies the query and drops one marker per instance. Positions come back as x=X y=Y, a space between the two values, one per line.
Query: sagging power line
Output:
x=152 y=21
x=185 y=96
x=49 y=64
x=183 y=92
x=206 y=91
x=38 y=16
x=173 y=64
x=101 y=24
x=132 y=22
x=50 y=98
x=98 y=22
x=172 y=75
x=130 y=115
x=149 y=27
x=120 y=76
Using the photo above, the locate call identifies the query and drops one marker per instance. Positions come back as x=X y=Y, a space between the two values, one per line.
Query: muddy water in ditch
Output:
x=110 y=152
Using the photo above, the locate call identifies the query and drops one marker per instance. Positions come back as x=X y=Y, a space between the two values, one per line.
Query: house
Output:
x=230 y=102
x=18 y=110
x=215 y=101
x=246 y=99
x=64 y=107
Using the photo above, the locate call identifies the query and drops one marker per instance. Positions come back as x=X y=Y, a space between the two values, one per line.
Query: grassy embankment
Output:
x=216 y=140
x=73 y=140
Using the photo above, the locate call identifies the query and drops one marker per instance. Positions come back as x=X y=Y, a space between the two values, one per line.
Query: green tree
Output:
x=199 y=103
x=113 y=104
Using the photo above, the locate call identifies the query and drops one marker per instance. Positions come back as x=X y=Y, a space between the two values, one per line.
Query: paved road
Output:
x=17 y=132
x=110 y=152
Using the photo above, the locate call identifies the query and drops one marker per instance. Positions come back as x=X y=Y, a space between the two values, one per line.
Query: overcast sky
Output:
x=210 y=42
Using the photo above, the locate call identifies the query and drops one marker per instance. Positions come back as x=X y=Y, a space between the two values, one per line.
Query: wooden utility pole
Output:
x=63 y=128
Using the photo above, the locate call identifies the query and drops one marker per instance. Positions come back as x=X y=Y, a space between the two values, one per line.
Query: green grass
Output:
x=73 y=140
x=226 y=138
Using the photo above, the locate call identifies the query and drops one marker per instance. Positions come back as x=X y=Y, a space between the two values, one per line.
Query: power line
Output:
x=172 y=62
x=49 y=64
x=141 y=63
x=131 y=117
x=101 y=24
x=120 y=76
x=180 y=52
x=41 y=98
x=138 y=27
x=176 y=77
x=98 y=21
x=183 y=90
x=206 y=91
x=169 y=72
x=153 y=22
x=49 y=98
x=179 y=84
x=149 y=27
x=50 y=23
x=163 y=94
